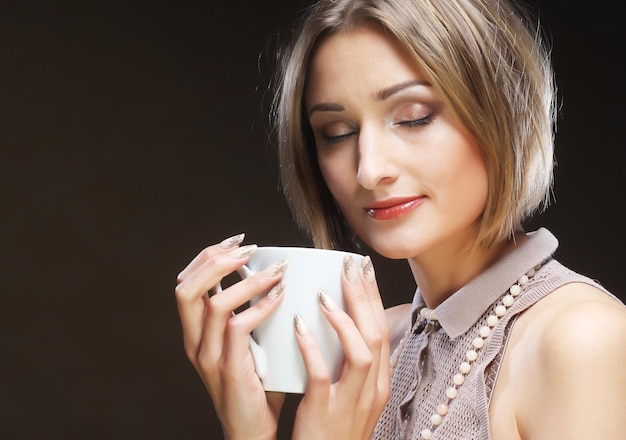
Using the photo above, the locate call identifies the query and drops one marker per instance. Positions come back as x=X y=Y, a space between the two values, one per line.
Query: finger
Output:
x=238 y=327
x=366 y=309
x=375 y=390
x=190 y=293
x=376 y=336
x=363 y=302
x=357 y=355
x=222 y=326
x=357 y=297
x=368 y=280
x=377 y=308
x=210 y=273
x=363 y=299
x=319 y=381
x=235 y=373
x=223 y=246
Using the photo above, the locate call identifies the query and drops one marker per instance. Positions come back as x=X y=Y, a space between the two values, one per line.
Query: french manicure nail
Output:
x=275 y=269
x=327 y=303
x=350 y=269
x=232 y=241
x=367 y=268
x=301 y=327
x=276 y=291
x=244 y=251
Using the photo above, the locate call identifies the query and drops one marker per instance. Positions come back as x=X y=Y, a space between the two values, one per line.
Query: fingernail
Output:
x=350 y=269
x=301 y=327
x=275 y=269
x=327 y=303
x=367 y=269
x=232 y=241
x=276 y=291
x=244 y=251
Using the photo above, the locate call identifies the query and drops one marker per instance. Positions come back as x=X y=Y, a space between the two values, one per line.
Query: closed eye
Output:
x=418 y=122
x=337 y=139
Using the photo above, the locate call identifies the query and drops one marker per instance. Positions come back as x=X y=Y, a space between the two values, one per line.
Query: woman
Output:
x=422 y=128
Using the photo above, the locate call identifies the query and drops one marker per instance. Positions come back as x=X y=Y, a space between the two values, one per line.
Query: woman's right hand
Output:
x=217 y=340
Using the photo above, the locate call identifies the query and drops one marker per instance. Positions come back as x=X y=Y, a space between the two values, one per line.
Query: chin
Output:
x=395 y=254
x=391 y=250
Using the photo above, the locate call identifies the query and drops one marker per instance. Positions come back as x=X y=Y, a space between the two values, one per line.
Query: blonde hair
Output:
x=490 y=66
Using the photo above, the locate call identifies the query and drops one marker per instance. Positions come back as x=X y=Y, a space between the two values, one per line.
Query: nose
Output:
x=376 y=164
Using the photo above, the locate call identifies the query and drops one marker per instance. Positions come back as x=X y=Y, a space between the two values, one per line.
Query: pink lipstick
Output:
x=391 y=209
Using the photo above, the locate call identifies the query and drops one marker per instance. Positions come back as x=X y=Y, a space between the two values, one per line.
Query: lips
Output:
x=394 y=208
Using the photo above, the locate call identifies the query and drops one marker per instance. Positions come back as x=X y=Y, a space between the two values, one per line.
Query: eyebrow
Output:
x=326 y=107
x=381 y=95
x=386 y=93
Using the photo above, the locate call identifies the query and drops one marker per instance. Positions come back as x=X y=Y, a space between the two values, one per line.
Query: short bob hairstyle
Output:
x=489 y=64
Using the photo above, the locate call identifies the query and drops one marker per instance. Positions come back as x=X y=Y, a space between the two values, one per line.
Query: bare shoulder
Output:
x=579 y=317
x=574 y=344
x=399 y=320
x=575 y=322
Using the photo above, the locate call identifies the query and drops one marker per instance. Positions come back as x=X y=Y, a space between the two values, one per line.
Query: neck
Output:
x=450 y=267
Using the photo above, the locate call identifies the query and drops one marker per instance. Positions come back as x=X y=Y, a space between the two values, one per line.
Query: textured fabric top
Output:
x=432 y=354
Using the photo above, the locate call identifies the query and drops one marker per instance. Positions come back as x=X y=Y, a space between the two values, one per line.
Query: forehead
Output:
x=365 y=55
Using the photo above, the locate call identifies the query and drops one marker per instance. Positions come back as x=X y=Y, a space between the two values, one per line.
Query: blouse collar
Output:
x=459 y=312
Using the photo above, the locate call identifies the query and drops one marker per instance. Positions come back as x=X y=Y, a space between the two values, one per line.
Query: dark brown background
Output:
x=132 y=134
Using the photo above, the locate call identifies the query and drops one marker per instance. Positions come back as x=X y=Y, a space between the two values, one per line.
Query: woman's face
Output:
x=405 y=173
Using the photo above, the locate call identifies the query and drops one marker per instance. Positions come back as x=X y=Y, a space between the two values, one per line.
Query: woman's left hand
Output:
x=349 y=408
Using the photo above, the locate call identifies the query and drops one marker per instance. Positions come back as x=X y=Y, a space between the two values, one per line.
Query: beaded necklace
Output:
x=429 y=316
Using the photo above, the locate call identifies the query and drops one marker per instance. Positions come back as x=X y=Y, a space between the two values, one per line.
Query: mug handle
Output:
x=258 y=355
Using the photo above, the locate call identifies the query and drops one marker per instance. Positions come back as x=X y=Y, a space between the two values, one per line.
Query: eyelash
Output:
x=418 y=122
x=410 y=124
x=336 y=139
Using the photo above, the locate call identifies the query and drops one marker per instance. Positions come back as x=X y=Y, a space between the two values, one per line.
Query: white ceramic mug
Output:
x=277 y=358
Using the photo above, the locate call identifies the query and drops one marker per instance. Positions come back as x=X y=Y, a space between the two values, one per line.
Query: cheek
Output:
x=337 y=174
x=469 y=177
x=456 y=171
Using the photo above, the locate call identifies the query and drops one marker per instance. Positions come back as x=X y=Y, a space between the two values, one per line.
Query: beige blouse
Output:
x=432 y=353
